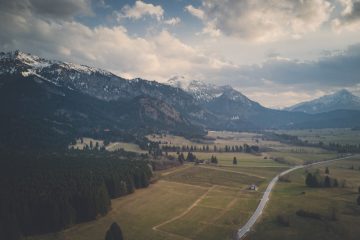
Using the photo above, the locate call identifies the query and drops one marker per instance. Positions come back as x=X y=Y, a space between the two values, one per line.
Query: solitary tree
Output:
x=190 y=157
x=327 y=182
x=181 y=158
x=213 y=159
x=114 y=232
x=308 y=180
x=327 y=170
x=235 y=161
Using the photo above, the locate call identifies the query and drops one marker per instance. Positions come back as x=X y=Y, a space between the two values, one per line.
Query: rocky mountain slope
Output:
x=49 y=103
x=341 y=100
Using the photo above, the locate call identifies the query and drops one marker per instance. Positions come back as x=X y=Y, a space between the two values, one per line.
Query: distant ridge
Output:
x=340 y=100
x=48 y=102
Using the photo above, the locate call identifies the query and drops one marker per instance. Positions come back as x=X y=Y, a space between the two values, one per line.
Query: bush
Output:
x=307 y=214
x=284 y=178
x=283 y=220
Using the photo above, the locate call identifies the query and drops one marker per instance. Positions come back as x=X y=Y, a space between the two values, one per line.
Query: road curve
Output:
x=250 y=223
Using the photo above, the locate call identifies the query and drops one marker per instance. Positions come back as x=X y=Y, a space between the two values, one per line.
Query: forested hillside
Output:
x=49 y=192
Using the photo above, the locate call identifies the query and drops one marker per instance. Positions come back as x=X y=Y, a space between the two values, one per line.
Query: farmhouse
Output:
x=253 y=187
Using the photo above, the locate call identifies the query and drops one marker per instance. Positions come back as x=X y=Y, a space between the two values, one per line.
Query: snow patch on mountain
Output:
x=340 y=100
x=200 y=90
x=206 y=92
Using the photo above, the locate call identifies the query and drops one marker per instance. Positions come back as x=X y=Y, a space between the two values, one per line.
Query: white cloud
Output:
x=141 y=9
x=173 y=21
x=263 y=21
x=159 y=54
x=276 y=100
x=350 y=16
x=195 y=11
x=211 y=29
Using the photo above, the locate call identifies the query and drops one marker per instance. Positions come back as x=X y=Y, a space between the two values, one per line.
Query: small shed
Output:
x=253 y=187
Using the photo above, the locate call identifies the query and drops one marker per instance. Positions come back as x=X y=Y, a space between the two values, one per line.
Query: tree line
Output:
x=41 y=193
x=206 y=148
x=295 y=140
x=316 y=180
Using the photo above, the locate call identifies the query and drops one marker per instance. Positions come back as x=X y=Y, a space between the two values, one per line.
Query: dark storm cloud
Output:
x=58 y=9
x=340 y=70
x=350 y=16
x=61 y=8
x=355 y=13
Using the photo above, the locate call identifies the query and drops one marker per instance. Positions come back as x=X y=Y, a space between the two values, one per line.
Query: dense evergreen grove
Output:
x=43 y=193
x=316 y=180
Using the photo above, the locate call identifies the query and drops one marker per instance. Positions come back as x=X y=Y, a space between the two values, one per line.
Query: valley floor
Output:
x=213 y=202
x=191 y=202
x=340 y=214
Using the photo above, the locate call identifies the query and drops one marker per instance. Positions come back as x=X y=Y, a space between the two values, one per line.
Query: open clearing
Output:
x=287 y=198
x=327 y=135
x=215 y=138
x=190 y=202
x=212 y=201
x=130 y=147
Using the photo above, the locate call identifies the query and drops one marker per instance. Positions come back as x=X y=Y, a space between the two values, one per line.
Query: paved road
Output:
x=246 y=228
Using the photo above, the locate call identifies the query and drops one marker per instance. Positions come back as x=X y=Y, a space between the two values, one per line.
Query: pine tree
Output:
x=234 y=161
x=114 y=232
x=327 y=182
x=181 y=158
x=308 y=179
x=327 y=170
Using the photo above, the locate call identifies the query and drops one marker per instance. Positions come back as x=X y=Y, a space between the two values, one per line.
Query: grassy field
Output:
x=302 y=158
x=287 y=198
x=243 y=159
x=130 y=147
x=341 y=136
x=212 y=201
x=87 y=141
x=138 y=213
x=214 y=138
x=189 y=202
x=211 y=176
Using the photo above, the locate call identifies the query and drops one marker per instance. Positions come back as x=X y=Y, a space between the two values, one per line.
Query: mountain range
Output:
x=47 y=103
x=342 y=99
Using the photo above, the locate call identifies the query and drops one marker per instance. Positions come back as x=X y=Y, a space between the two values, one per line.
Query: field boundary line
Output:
x=232 y=171
x=183 y=213
x=186 y=184
x=176 y=170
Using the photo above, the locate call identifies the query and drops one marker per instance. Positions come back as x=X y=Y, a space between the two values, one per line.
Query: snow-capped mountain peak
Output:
x=201 y=91
x=340 y=100
x=37 y=63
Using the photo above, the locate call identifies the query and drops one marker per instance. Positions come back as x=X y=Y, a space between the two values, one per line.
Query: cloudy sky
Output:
x=277 y=52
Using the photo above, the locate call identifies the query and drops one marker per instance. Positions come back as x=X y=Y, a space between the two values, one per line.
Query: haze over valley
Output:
x=173 y=120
